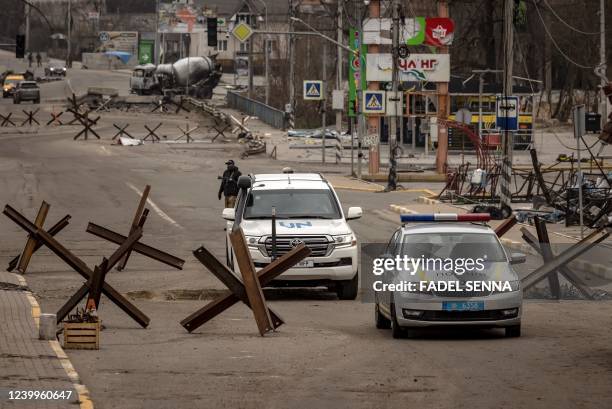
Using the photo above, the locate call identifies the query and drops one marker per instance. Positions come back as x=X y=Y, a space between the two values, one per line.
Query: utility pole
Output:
x=602 y=61
x=507 y=137
x=373 y=121
x=267 y=62
x=442 y=90
x=323 y=104
x=393 y=121
x=27 y=27
x=266 y=46
x=156 y=51
x=250 y=48
x=291 y=124
x=361 y=123
x=69 y=41
x=339 y=66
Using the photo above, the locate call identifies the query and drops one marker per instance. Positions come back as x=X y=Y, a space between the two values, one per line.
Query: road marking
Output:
x=106 y=151
x=81 y=390
x=159 y=211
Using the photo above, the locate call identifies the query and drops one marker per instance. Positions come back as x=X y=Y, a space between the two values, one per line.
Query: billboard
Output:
x=434 y=31
x=181 y=18
x=417 y=67
x=118 y=41
x=145 y=51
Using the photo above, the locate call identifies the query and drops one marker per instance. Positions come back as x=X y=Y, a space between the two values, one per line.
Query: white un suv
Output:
x=307 y=211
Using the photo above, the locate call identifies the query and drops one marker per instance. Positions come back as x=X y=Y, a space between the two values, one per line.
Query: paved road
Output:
x=328 y=355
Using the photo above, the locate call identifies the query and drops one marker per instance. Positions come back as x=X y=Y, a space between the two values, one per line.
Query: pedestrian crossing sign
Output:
x=313 y=90
x=373 y=102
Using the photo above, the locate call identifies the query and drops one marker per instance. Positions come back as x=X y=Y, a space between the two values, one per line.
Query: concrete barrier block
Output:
x=48 y=327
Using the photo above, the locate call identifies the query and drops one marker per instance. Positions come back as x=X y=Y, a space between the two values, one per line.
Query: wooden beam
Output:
x=30 y=245
x=251 y=283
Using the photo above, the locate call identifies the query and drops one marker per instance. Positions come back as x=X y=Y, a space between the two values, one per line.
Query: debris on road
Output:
x=126 y=141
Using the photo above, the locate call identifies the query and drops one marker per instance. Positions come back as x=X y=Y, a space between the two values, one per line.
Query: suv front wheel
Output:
x=347 y=289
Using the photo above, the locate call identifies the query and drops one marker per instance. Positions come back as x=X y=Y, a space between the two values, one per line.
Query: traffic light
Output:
x=19 y=46
x=211 y=29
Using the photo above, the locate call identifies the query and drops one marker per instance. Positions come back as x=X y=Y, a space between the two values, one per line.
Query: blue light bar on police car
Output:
x=446 y=217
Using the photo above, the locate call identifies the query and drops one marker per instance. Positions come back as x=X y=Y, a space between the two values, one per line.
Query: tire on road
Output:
x=396 y=330
x=381 y=321
x=513 y=331
x=347 y=289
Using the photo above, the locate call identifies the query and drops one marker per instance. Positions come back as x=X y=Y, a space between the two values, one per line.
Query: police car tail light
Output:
x=445 y=217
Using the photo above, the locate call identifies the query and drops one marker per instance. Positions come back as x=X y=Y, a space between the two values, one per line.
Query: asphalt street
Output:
x=328 y=354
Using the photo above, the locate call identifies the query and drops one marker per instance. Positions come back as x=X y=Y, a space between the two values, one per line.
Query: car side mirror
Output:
x=517 y=258
x=229 y=213
x=244 y=182
x=354 y=213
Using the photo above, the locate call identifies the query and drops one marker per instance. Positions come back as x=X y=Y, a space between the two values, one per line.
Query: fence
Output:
x=271 y=116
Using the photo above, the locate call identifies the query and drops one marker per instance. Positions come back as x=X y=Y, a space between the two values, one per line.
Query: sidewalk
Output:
x=26 y=363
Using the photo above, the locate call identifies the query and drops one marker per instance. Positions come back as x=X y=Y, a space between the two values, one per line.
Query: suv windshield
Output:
x=453 y=246
x=292 y=204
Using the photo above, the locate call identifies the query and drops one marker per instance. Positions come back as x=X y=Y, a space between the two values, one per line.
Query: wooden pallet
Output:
x=85 y=335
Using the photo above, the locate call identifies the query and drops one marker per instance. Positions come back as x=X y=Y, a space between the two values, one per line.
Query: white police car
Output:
x=307 y=211
x=443 y=273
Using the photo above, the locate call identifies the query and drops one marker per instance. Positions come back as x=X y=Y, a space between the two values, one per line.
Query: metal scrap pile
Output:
x=562 y=196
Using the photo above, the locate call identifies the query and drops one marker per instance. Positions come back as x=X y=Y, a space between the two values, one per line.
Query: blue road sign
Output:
x=313 y=90
x=507 y=113
x=373 y=102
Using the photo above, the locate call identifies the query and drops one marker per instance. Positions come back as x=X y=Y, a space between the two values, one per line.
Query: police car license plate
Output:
x=463 y=305
x=305 y=264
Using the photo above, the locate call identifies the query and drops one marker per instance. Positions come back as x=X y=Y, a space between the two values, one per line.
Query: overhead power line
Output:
x=567 y=24
x=552 y=39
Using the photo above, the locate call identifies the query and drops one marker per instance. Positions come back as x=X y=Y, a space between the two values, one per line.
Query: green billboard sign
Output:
x=357 y=72
x=145 y=51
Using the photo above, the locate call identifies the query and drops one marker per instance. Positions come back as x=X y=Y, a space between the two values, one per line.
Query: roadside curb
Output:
x=358 y=189
x=599 y=270
x=401 y=209
x=409 y=177
x=428 y=200
x=376 y=187
x=85 y=401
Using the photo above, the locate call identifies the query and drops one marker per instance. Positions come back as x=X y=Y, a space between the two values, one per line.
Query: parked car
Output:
x=55 y=70
x=9 y=84
x=26 y=91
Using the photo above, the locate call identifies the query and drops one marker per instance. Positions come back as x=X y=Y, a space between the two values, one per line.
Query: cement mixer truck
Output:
x=196 y=76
